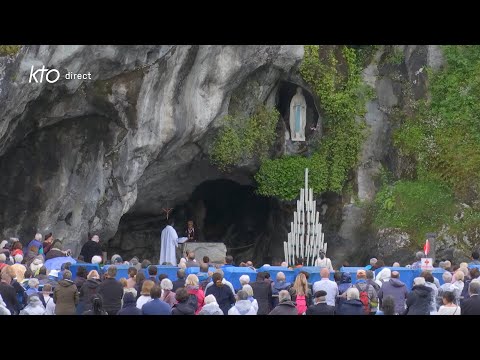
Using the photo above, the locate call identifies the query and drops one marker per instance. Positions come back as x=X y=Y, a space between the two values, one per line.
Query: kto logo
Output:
x=51 y=78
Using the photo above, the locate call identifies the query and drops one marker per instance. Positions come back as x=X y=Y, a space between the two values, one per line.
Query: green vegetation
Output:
x=337 y=82
x=416 y=207
x=7 y=50
x=394 y=56
x=365 y=53
x=443 y=138
x=241 y=138
x=444 y=135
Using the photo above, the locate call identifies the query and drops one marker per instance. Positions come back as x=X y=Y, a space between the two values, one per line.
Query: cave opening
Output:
x=224 y=211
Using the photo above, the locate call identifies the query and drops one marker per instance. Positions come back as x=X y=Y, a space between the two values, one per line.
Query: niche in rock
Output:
x=286 y=92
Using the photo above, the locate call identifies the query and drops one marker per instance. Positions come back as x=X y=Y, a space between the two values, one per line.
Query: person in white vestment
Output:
x=168 y=243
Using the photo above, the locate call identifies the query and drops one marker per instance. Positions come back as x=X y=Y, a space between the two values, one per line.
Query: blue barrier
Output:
x=170 y=271
x=438 y=273
x=122 y=271
x=89 y=267
x=196 y=269
x=406 y=275
x=56 y=263
x=314 y=273
x=274 y=270
x=233 y=273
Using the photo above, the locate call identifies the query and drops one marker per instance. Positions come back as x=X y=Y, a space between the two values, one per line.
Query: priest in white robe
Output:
x=169 y=242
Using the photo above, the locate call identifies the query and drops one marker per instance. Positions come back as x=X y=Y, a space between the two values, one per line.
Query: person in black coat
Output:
x=91 y=248
x=87 y=292
x=471 y=306
x=262 y=292
x=111 y=291
x=81 y=276
x=419 y=299
x=321 y=307
x=129 y=305
x=9 y=296
x=183 y=306
x=285 y=305
x=222 y=293
x=180 y=282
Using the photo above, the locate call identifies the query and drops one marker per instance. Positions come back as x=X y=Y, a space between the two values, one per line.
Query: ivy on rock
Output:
x=334 y=74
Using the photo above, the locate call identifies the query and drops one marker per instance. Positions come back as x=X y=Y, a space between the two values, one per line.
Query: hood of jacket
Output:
x=93 y=283
x=396 y=282
x=281 y=285
x=65 y=283
x=243 y=306
x=129 y=300
x=346 y=278
x=384 y=274
x=212 y=308
x=422 y=291
x=34 y=300
x=184 y=308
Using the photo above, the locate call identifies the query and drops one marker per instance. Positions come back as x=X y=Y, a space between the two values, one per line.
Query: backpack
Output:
x=301 y=302
x=364 y=298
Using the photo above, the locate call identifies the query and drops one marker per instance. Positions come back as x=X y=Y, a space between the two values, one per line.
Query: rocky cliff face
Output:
x=78 y=154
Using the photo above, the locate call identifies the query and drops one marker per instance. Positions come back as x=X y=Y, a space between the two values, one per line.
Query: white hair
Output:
x=248 y=289
x=447 y=276
x=96 y=259
x=95 y=238
x=396 y=264
x=209 y=299
x=3 y=257
x=244 y=279
x=18 y=258
x=33 y=283
x=284 y=264
x=352 y=294
x=38 y=236
x=166 y=284
x=283 y=296
x=280 y=276
x=419 y=281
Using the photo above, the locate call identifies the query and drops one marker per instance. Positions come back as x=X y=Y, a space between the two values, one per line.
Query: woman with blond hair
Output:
x=300 y=293
x=191 y=284
x=126 y=289
x=88 y=291
x=145 y=293
x=167 y=294
x=457 y=280
x=249 y=291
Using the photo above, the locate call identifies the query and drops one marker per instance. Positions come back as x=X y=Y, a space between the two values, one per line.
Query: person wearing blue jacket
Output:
x=156 y=306
x=353 y=305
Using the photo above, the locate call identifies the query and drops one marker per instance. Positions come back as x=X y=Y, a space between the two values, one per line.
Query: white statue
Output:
x=298 y=116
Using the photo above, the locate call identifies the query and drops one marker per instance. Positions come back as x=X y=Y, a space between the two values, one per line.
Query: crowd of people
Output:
x=27 y=288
